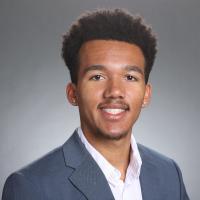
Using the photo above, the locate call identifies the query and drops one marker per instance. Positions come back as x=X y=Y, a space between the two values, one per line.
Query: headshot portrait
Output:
x=99 y=100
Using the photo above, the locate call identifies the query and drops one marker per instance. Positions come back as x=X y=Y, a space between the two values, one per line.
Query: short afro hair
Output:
x=108 y=24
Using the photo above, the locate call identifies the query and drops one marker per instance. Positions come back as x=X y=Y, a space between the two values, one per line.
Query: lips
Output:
x=113 y=111
x=111 y=106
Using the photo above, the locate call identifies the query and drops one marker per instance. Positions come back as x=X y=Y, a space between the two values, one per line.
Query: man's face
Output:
x=111 y=88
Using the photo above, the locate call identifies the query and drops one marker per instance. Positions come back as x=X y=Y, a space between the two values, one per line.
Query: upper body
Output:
x=109 y=54
x=70 y=172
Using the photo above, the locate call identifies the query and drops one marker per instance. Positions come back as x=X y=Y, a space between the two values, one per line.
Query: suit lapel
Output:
x=149 y=178
x=90 y=180
x=87 y=176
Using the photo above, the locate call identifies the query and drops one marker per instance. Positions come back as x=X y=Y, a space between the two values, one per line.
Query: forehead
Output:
x=110 y=53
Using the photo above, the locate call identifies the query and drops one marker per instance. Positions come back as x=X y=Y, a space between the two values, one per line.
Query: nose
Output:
x=114 y=89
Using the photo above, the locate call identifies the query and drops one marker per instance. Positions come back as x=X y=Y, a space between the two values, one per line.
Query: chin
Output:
x=112 y=134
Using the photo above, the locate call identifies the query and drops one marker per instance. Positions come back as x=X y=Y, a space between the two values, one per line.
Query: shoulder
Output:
x=164 y=168
x=41 y=168
x=48 y=167
x=48 y=163
x=27 y=182
x=162 y=173
x=43 y=177
x=51 y=166
x=152 y=155
x=161 y=164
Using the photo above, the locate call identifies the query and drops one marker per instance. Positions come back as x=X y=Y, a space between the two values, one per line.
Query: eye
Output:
x=131 y=78
x=97 y=77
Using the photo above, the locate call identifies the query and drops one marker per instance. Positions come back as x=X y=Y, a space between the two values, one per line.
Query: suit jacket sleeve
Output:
x=18 y=187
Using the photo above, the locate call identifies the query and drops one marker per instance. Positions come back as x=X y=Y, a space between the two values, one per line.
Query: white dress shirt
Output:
x=130 y=189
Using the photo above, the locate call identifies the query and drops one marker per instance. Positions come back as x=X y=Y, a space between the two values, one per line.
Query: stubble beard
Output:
x=109 y=136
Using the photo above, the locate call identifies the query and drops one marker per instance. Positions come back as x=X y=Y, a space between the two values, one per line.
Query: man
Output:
x=109 y=54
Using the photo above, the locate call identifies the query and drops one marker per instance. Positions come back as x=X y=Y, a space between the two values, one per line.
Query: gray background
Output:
x=34 y=114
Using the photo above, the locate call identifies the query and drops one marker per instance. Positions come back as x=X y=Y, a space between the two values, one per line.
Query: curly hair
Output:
x=108 y=24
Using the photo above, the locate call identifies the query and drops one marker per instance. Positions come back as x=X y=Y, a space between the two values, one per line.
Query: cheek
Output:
x=135 y=97
x=90 y=92
x=88 y=97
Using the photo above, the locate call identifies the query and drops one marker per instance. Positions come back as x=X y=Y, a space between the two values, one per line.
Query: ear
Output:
x=71 y=94
x=147 y=95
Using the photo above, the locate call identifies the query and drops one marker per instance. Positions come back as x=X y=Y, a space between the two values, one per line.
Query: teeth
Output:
x=113 y=111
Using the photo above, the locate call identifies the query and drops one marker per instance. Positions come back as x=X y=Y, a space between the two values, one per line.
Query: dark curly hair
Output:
x=116 y=24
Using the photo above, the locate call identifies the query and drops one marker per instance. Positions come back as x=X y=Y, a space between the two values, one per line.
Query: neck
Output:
x=116 y=152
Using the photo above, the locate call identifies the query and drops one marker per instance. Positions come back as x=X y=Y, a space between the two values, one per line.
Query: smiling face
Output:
x=111 y=88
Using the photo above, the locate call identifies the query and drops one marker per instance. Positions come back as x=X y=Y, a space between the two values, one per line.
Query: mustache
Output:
x=114 y=102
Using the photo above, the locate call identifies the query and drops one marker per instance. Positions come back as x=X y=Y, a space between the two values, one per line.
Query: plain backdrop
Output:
x=35 y=116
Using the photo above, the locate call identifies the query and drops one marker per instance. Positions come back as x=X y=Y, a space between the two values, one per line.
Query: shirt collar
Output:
x=110 y=172
x=135 y=160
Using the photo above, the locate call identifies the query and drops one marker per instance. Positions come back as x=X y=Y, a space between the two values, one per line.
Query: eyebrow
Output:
x=102 y=68
x=93 y=68
x=134 y=68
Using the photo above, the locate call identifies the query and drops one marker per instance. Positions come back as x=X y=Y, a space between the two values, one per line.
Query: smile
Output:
x=113 y=111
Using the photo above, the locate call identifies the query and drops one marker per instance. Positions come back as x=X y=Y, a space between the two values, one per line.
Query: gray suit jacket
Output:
x=70 y=173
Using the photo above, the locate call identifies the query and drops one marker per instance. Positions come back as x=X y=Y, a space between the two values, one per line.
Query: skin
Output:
x=111 y=76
